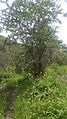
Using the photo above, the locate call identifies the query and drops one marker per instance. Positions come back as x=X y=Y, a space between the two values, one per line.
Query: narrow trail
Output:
x=8 y=114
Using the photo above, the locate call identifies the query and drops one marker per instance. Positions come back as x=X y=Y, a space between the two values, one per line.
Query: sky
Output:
x=63 y=27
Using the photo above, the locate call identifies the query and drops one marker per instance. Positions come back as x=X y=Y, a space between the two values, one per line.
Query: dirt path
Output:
x=8 y=114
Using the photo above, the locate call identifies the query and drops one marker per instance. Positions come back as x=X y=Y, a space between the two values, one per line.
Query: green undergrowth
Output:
x=10 y=81
x=6 y=85
x=43 y=98
x=3 y=103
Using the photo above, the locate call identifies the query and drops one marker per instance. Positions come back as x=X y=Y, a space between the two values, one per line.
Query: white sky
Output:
x=63 y=27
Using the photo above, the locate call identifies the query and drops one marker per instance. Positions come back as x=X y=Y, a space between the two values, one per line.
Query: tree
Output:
x=61 y=56
x=33 y=25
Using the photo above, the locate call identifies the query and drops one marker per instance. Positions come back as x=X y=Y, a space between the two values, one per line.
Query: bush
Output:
x=6 y=75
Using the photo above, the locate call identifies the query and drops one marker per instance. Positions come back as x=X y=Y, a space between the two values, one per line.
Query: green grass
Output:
x=45 y=98
x=7 y=84
x=23 y=99
x=3 y=104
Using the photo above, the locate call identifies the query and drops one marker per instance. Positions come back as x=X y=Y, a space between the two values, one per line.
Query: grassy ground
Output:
x=3 y=103
x=6 y=85
x=43 y=98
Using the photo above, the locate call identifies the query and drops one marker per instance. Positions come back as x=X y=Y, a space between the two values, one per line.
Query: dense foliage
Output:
x=45 y=98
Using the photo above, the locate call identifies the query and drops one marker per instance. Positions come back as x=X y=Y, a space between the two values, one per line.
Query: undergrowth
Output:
x=45 y=98
x=3 y=104
x=6 y=85
x=41 y=98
